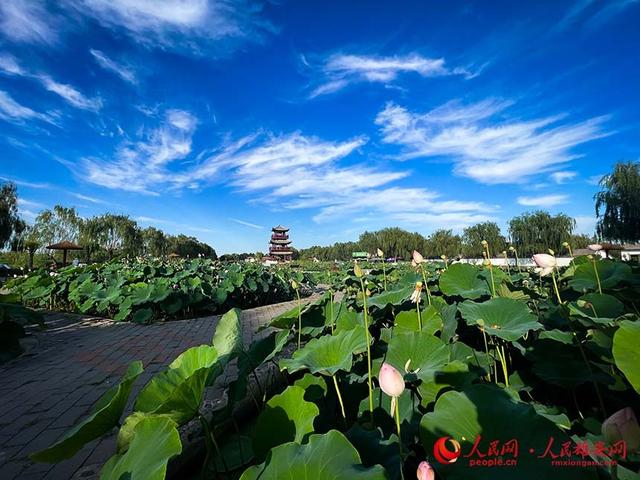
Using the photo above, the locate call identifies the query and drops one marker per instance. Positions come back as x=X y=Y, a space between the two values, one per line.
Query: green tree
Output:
x=191 y=247
x=155 y=242
x=8 y=211
x=618 y=203
x=536 y=232
x=473 y=236
x=60 y=223
x=443 y=242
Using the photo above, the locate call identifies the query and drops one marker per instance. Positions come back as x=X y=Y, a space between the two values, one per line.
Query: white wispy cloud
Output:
x=123 y=71
x=291 y=171
x=23 y=183
x=14 y=112
x=70 y=93
x=340 y=70
x=482 y=143
x=87 y=198
x=187 y=25
x=25 y=203
x=9 y=65
x=543 y=201
x=27 y=21
x=593 y=14
x=563 y=176
x=594 y=179
x=247 y=224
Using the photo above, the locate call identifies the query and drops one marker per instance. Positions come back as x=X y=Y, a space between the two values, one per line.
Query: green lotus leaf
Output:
x=374 y=449
x=227 y=338
x=155 y=440
x=561 y=364
x=328 y=354
x=104 y=416
x=421 y=349
x=462 y=279
x=391 y=297
x=142 y=315
x=172 y=304
x=315 y=387
x=178 y=390
x=626 y=351
x=127 y=430
x=124 y=310
x=329 y=456
x=490 y=413
x=597 y=306
x=140 y=293
x=503 y=317
x=557 y=335
x=287 y=417
x=611 y=274
x=408 y=320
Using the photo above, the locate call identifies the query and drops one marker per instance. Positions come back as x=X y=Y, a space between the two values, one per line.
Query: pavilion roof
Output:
x=64 y=245
x=280 y=228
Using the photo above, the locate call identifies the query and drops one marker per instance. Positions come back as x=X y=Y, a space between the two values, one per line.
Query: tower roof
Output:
x=280 y=228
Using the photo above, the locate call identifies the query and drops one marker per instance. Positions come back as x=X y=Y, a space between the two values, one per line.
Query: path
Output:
x=43 y=394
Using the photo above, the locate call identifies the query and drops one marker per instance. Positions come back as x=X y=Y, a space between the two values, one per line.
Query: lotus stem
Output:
x=384 y=274
x=493 y=283
x=486 y=349
x=419 y=315
x=396 y=414
x=299 y=319
x=506 y=260
x=335 y=383
x=426 y=285
x=503 y=361
x=555 y=286
x=210 y=441
x=366 y=332
x=331 y=309
x=595 y=269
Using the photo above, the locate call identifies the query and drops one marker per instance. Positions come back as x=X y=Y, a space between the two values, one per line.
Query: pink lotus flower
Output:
x=391 y=381
x=425 y=471
x=416 y=295
x=545 y=262
x=596 y=247
x=417 y=257
x=622 y=425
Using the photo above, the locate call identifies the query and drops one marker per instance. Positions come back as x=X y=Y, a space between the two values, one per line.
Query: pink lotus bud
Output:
x=622 y=425
x=595 y=247
x=417 y=257
x=425 y=471
x=544 y=260
x=391 y=381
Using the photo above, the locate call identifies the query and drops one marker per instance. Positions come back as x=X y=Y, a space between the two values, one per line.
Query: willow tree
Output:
x=473 y=236
x=618 y=203
x=8 y=211
x=536 y=232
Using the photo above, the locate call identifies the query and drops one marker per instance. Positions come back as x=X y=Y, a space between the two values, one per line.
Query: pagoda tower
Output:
x=279 y=245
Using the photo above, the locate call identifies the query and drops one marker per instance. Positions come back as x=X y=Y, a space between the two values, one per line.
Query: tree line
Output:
x=102 y=237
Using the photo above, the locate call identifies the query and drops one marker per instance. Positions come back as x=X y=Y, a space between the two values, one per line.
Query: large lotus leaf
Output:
x=127 y=430
x=140 y=293
x=315 y=387
x=178 y=390
x=463 y=280
x=626 y=351
x=560 y=364
x=421 y=349
x=329 y=456
x=161 y=289
x=595 y=305
x=374 y=449
x=341 y=316
x=155 y=440
x=287 y=417
x=104 y=416
x=142 y=315
x=227 y=339
x=493 y=415
x=312 y=316
x=329 y=353
x=611 y=274
x=124 y=310
x=429 y=318
x=503 y=317
x=391 y=297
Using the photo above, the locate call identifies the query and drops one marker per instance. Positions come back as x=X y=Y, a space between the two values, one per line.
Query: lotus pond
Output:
x=477 y=371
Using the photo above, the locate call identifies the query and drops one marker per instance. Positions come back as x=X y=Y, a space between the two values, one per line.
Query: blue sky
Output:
x=220 y=119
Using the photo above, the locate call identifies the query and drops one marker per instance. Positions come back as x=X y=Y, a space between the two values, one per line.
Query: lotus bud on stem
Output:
x=425 y=471
x=595 y=270
x=360 y=274
x=515 y=254
x=392 y=383
x=487 y=263
x=444 y=259
x=567 y=245
x=384 y=268
x=506 y=260
x=418 y=261
x=416 y=296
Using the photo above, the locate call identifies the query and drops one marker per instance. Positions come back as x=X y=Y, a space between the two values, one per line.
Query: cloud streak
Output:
x=341 y=70
x=543 y=201
x=125 y=73
x=483 y=143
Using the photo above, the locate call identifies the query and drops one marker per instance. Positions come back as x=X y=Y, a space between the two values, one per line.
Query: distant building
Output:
x=280 y=245
x=362 y=255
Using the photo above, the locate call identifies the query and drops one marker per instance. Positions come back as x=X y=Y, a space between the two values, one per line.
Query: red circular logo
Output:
x=443 y=453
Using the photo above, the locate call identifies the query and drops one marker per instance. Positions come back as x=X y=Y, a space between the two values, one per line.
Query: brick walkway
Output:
x=45 y=393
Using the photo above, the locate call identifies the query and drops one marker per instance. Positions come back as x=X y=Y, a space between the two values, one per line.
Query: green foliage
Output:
x=538 y=231
x=618 y=203
x=473 y=236
x=8 y=212
x=626 y=342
